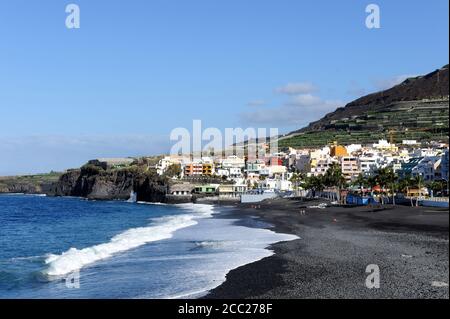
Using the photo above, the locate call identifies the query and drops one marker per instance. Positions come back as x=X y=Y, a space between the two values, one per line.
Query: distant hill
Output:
x=415 y=109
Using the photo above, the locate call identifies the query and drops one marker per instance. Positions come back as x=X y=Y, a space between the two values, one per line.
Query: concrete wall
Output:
x=256 y=198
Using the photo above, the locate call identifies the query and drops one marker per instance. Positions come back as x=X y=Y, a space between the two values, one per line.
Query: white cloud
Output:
x=297 y=88
x=305 y=100
x=298 y=111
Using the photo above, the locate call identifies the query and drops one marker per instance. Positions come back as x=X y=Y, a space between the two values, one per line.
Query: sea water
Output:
x=115 y=249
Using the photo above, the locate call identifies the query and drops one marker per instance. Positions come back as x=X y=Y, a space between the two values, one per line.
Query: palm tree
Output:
x=372 y=182
x=388 y=178
x=295 y=179
x=314 y=183
x=418 y=181
x=334 y=178
x=360 y=181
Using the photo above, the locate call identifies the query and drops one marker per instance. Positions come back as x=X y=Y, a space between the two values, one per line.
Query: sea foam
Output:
x=160 y=228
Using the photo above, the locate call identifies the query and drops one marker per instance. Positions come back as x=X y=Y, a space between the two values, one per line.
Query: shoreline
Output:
x=248 y=245
x=409 y=244
x=333 y=249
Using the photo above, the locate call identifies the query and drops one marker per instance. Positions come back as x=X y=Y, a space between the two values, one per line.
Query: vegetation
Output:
x=173 y=170
x=385 y=179
x=91 y=169
x=421 y=121
x=32 y=179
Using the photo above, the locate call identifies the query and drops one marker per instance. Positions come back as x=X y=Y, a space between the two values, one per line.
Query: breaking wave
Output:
x=160 y=228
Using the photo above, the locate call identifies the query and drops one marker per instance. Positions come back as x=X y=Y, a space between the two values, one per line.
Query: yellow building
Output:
x=338 y=151
x=208 y=169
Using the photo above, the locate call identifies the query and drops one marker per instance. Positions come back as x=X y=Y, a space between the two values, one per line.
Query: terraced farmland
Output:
x=419 y=120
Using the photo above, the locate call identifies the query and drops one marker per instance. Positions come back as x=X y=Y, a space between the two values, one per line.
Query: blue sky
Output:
x=137 y=69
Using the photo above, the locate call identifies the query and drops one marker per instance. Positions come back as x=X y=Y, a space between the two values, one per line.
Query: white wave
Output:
x=161 y=228
x=211 y=244
x=150 y=203
x=205 y=210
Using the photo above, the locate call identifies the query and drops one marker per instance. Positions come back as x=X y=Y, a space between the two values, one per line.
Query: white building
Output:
x=353 y=148
x=276 y=184
x=350 y=167
x=369 y=163
x=424 y=152
x=427 y=168
x=233 y=162
x=410 y=142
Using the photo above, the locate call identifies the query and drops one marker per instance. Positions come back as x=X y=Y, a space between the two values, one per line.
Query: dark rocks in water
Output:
x=96 y=183
x=150 y=188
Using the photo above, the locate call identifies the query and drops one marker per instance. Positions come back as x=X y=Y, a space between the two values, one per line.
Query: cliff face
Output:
x=33 y=184
x=97 y=184
x=25 y=188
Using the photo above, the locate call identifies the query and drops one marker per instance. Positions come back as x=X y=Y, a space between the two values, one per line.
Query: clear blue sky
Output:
x=137 y=69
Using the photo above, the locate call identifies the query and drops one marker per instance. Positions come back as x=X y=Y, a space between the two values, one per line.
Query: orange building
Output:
x=196 y=169
x=338 y=151
x=193 y=169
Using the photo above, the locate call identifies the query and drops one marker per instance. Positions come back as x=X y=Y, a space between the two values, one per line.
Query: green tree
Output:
x=436 y=186
x=360 y=181
x=296 y=179
x=334 y=178
x=387 y=179
x=314 y=184
x=173 y=170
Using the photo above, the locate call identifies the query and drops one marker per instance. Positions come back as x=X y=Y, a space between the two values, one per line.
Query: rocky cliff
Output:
x=95 y=183
x=32 y=184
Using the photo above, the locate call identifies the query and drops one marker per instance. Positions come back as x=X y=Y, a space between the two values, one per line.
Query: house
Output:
x=184 y=189
x=415 y=192
x=276 y=184
x=232 y=191
x=112 y=162
x=206 y=189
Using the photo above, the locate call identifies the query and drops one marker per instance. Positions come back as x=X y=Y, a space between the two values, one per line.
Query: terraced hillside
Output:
x=370 y=118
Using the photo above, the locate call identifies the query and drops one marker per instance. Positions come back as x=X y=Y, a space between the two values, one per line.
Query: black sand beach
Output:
x=409 y=244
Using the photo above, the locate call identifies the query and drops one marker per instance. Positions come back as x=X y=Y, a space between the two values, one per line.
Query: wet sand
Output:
x=408 y=244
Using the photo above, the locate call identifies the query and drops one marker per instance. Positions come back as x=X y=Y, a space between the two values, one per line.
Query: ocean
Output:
x=74 y=248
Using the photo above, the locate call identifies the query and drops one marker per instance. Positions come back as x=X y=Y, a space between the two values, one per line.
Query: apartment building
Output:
x=350 y=167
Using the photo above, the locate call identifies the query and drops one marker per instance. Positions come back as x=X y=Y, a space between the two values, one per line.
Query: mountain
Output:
x=415 y=109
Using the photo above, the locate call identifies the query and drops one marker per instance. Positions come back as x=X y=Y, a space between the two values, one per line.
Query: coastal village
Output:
x=382 y=172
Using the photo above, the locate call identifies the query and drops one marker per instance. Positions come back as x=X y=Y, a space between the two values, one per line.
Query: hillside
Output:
x=30 y=184
x=415 y=109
